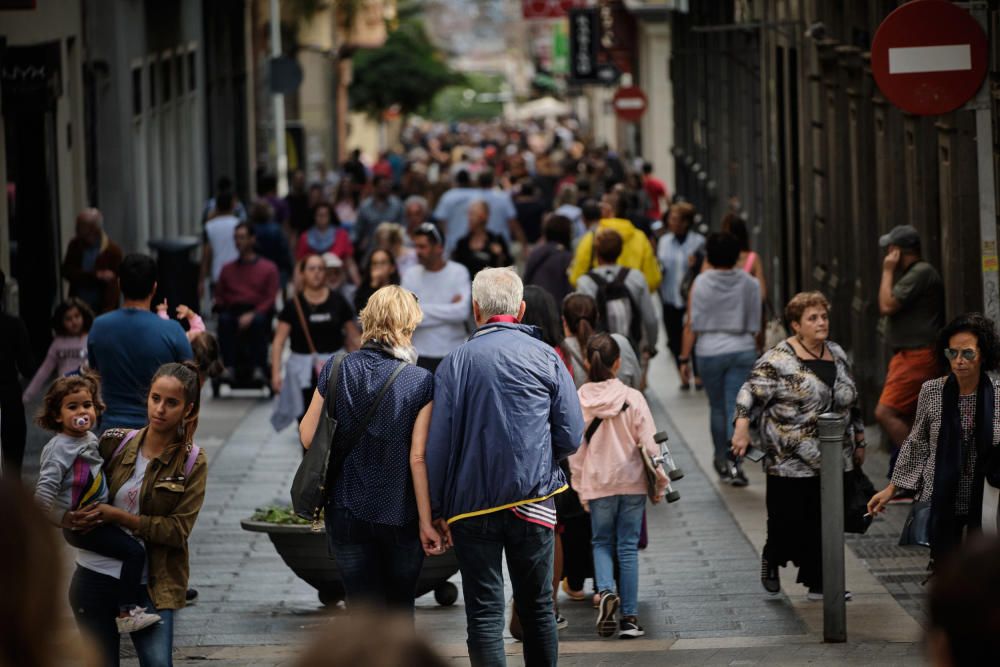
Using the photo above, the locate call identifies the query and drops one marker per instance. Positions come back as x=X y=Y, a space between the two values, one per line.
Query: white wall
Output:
x=654 y=79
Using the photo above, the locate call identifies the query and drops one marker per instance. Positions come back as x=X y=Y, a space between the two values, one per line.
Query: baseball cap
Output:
x=905 y=236
x=332 y=261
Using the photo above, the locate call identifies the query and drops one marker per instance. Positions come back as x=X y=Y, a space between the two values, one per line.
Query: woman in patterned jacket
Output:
x=951 y=450
x=790 y=386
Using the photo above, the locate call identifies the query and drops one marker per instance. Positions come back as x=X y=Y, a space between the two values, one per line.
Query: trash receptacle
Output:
x=177 y=273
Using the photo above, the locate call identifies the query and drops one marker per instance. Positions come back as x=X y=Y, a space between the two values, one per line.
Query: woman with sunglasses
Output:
x=950 y=453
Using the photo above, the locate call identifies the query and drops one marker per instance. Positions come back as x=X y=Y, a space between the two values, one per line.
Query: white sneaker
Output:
x=136 y=620
x=817 y=596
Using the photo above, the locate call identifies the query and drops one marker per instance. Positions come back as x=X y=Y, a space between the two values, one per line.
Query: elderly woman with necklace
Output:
x=790 y=386
x=950 y=457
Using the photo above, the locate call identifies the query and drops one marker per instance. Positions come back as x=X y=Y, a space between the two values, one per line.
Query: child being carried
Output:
x=71 y=478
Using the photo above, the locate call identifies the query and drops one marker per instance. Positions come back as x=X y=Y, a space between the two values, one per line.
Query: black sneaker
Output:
x=737 y=477
x=606 y=611
x=722 y=467
x=629 y=628
x=769 y=577
x=191 y=595
x=561 y=622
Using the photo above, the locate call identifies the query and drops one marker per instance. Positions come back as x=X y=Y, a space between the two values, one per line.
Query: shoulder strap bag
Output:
x=318 y=362
x=323 y=461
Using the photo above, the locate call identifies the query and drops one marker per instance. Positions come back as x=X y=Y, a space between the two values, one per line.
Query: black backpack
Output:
x=617 y=311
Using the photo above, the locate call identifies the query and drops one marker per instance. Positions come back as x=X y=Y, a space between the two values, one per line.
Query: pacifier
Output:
x=83 y=421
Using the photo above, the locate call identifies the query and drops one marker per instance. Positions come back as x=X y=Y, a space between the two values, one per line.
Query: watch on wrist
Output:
x=860 y=444
x=683 y=360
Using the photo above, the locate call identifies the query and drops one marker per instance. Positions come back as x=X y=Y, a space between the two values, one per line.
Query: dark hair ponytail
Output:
x=602 y=353
x=580 y=313
x=189 y=375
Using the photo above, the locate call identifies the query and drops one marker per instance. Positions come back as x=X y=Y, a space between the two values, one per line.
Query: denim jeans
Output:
x=94 y=599
x=479 y=544
x=615 y=522
x=723 y=375
x=379 y=564
x=110 y=540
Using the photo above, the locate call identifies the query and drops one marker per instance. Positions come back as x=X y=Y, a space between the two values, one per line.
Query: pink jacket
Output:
x=610 y=465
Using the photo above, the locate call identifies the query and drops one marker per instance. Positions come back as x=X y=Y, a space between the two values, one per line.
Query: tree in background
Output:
x=407 y=71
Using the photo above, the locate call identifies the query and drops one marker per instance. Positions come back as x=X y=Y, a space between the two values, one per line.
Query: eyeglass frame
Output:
x=968 y=353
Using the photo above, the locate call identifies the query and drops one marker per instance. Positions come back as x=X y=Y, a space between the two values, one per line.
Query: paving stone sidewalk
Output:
x=700 y=597
x=701 y=601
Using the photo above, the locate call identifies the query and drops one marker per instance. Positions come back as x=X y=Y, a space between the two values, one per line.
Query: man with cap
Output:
x=911 y=297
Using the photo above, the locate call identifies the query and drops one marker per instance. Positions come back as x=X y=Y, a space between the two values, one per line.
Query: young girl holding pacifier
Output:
x=71 y=479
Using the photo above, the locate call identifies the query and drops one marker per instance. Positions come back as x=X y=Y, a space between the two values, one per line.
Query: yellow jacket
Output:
x=637 y=253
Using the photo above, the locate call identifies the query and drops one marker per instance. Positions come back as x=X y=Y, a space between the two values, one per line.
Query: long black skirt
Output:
x=794 y=527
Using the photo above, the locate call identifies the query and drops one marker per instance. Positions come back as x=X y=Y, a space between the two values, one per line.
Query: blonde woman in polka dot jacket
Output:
x=378 y=514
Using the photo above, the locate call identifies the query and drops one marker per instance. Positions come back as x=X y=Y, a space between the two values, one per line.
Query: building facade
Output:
x=778 y=117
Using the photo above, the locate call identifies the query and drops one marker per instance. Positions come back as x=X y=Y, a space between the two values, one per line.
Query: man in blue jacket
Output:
x=505 y=414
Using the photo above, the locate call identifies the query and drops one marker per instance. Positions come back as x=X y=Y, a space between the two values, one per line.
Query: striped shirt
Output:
x=543 y=512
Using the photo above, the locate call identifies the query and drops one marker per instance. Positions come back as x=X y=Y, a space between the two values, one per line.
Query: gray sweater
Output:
x=58 y=483
x=725 y=310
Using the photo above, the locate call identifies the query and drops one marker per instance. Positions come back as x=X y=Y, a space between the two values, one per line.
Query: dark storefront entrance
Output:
x=31 y=81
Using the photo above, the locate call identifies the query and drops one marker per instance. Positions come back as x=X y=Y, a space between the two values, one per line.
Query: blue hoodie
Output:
x=505 y=413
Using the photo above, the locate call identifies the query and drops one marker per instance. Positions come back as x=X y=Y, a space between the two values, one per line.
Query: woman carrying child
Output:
x=71 y=477
x=156 y=478
x=608 y=475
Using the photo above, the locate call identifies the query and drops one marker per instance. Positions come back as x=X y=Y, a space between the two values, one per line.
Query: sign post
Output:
x=987 y=188
x=930 y=57
x=278 y=100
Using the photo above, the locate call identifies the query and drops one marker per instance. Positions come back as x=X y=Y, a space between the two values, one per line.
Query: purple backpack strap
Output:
x=190 y=460
x=121 y=445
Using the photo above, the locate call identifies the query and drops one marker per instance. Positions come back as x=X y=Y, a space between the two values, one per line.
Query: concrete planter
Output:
x=305 y=552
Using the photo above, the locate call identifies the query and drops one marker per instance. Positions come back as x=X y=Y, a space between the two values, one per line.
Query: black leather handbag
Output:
x=323 y=461
x=858 y=489
x=917 y=529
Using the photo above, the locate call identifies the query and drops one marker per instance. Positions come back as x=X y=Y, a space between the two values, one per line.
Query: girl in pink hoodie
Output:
x=607 y=473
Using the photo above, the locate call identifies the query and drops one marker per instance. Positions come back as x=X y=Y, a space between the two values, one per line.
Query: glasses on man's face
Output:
x=969 y=354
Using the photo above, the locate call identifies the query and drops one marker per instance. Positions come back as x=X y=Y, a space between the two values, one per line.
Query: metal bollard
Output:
x=831 y=441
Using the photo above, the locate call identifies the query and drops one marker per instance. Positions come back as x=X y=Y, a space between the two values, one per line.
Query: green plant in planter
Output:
x=280 y=514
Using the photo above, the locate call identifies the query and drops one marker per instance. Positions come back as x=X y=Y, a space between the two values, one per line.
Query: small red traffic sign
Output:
x=630 y=103
x=929 y=57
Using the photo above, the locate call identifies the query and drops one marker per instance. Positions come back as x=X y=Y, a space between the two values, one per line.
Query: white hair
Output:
x=416 y=199
x=497 y=292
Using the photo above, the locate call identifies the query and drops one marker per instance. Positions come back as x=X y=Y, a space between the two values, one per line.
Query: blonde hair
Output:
x=391 y=316
x=390 y=233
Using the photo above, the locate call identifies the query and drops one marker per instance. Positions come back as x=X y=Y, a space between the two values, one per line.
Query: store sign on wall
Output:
x=583 y=44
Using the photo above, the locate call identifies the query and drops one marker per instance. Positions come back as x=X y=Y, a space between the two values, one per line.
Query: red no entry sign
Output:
x=630 y=103
x=929 y=57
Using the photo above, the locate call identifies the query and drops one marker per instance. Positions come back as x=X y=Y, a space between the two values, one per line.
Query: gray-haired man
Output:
x=505 y=413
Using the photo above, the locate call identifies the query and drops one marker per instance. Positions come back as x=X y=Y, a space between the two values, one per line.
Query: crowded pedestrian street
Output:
x=413 y=333
x=699 y=572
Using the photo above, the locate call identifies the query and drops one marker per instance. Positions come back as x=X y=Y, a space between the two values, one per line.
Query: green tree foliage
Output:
x=408 y=70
